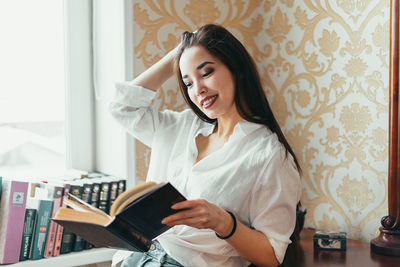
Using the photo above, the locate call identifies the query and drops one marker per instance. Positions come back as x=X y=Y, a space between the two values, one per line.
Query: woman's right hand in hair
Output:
x=157 y=74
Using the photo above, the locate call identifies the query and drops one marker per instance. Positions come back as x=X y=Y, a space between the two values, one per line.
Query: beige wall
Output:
x=324 y=65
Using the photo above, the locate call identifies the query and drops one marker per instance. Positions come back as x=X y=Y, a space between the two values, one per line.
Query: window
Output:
x=49 y=51
x=32 y=91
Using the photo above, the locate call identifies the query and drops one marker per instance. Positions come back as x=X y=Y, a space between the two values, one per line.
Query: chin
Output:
x=211 y=116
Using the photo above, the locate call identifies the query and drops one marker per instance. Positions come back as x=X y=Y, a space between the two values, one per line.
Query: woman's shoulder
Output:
x=265 y=146
x=182 y=115
x=185 y=120
x=261 y=137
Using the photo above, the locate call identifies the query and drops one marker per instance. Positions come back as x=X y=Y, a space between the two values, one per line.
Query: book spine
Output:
x=121 y=186
x=87 y=193
x=4 y=216
x=51 y=235
x=68 y=240
x=104 y=197
x=113 y=193
x=95 y=195
x=60 y=229
x=79 y=244
x=1 y=185
x=12 y=215
x=41 y=229
x=29 y=225
x=87 y=197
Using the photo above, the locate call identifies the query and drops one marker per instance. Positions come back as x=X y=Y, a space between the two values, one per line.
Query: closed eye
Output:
x=208 y=73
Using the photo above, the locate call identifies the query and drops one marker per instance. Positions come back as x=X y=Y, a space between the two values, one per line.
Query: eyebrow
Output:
x=199 y=67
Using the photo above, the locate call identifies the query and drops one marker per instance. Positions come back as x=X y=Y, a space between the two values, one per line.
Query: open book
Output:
x=134 y=220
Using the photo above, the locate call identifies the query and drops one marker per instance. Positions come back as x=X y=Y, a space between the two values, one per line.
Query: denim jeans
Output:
x=155 y=257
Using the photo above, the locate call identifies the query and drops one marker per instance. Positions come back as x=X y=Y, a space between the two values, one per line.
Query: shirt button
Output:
x=152 y=247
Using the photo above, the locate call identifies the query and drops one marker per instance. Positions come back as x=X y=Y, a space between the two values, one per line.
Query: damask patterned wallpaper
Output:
x=325 y=69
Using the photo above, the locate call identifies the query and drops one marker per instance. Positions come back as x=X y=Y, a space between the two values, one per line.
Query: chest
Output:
x=221 y=172
x=207 y=145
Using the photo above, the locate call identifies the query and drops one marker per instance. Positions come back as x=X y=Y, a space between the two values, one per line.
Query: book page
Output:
x=83 y=206
x=66 y=214
x=129 y=195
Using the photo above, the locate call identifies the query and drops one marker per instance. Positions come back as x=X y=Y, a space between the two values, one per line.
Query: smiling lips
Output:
x=208 y=101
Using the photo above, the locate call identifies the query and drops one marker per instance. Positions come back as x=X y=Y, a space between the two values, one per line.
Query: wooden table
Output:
x=358 y=253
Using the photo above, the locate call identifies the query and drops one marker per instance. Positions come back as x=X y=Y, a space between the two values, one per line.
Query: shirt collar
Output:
x=244 y=128
x=206 y=128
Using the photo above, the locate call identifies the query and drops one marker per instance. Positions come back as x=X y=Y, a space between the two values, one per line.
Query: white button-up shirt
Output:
x=251 y=176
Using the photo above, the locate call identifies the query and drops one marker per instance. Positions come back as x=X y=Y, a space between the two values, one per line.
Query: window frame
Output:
x=98 y=53
x=79 y=119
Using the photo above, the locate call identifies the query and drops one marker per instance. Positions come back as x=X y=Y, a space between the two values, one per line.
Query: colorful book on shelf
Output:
x=29 y=222
x=12 y=215
x=60 y=229
x=44 y=209
x=66 y=239
x=134 y=220
x=29 y=226
x=57 y=192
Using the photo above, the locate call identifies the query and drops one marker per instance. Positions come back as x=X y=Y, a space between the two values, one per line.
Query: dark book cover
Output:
x=136 y=225
x=29 y=225
x=87 y=197
x=77 y=190
x=60 y=229
x=51 y=235
x=121 y=186
x=104 y=201
x=41 y=229
x=95 y=196
x=87 y=192
x=67 y=242
x=113 y=192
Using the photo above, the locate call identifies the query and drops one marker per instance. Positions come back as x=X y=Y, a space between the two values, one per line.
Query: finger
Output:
x=188 y=204
x=186 y=213
x=192 y=221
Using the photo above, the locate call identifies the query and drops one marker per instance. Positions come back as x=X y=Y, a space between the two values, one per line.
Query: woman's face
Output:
x=209 y=82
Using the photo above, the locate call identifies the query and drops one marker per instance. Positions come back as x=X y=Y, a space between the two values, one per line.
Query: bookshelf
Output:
x=91 y=256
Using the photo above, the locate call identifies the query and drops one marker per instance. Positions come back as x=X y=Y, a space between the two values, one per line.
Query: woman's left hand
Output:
x=201 y=214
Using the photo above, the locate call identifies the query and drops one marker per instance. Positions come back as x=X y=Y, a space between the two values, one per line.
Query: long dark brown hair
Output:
x=250 y=99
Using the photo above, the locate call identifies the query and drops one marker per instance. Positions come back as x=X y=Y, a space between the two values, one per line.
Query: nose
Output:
x=200 y=88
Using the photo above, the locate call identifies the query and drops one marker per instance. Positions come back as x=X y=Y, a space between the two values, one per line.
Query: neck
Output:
x=226 y=125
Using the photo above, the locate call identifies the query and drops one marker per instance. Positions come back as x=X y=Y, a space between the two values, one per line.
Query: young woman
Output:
x=226 y=154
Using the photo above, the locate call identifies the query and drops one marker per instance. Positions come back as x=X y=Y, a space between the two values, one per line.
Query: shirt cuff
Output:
x=279 y=249
x=133 y=95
